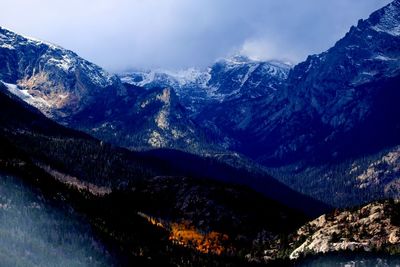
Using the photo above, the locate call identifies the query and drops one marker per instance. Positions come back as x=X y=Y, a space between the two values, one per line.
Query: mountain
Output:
x=78 y=93
x=339 y=103
x=56 y=80
x=334 y=116
x=338 y=117
x=143 y=209
x=328 y=127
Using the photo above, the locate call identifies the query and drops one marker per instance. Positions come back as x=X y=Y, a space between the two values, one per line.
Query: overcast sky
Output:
x=123 y=34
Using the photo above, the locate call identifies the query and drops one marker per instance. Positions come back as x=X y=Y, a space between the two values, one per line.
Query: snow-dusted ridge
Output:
x=63 y=59
x=389 y=22
x=26 y=96
x=29 y=39
x=194 y=84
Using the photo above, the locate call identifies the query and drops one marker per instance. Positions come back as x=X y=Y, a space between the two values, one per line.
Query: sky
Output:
x=121 y=35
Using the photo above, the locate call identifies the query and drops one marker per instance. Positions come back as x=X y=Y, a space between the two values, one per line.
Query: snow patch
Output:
x=389 y=21
x=384 y=58
x=7 y=46
x=248 y=73
x=26 y=96
x=65 y=63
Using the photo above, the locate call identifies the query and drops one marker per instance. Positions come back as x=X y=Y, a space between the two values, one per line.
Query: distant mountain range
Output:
x=233 y=78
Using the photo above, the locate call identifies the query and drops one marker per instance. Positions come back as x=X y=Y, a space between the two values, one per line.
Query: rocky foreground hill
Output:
x=374 y=227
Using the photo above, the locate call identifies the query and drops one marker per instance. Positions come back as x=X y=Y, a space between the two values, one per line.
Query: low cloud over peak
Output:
x=125 y=34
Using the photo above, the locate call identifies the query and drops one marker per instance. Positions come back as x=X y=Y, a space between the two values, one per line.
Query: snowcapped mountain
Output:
x=82 y=95
x=239 y=77
x=54 y=79
x=227 y=79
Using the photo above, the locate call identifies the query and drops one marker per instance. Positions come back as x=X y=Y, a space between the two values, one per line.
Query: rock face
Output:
x=384 y=172
x=145 y=119
x=57 y=78
x=375 y=226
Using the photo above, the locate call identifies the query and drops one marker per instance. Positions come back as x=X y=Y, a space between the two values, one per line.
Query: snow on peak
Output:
x=9 y=35
x=389 y=20
x=174 y=78
x=56 y=56
x=191 y=75
x=238 y=59
x=65 y=63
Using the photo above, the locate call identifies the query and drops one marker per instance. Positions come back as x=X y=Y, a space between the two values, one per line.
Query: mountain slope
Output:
x=36 y=231
x=58 y=81
x=339 y=103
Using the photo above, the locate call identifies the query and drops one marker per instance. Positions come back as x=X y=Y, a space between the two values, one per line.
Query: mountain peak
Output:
x=236 y=59
x=387 y=19
x=7 y=36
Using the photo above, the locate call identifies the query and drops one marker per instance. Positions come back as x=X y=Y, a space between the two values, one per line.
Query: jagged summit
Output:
x=228 y=78
x=12 y=36
x=239 y=59
x=387 y=19
x=236 y=59
x=49 y=55
x=58 y=79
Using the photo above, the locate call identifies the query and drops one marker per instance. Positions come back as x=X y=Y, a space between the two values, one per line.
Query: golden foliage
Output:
x=185 y=234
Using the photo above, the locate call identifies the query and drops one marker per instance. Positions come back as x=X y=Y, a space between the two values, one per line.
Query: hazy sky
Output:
x=123 y=34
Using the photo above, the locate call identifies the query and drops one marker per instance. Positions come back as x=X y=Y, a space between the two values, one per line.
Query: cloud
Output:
x=123 y=34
